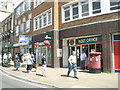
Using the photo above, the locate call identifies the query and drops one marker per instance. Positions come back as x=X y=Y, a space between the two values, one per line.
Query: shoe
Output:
x=76 y=77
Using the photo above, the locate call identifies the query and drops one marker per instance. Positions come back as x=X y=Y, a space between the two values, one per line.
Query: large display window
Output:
x=43 y=49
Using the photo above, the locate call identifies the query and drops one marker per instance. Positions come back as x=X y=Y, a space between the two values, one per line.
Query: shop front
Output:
x=40 y=48
x=88 y=44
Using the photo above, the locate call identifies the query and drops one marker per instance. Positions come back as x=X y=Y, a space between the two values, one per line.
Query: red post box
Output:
x=95 y=62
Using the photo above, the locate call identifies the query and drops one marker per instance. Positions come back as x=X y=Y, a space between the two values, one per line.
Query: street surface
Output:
x=7 y=81
x=10 y=82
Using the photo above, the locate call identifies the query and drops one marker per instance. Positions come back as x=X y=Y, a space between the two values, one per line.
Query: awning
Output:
x=6 y=45
x=22 y=44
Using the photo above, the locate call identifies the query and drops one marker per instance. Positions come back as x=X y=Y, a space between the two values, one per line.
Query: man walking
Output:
x=72 y=65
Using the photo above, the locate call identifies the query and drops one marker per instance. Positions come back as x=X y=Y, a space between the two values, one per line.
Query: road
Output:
x=7 y=81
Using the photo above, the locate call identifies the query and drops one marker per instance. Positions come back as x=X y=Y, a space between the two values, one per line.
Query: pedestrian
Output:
x=29 y=62
x=24 y=60
x=9 y=57
x=5 y=58
x=72 y=65
x=34 y=61
x=44 y=64
x=83 y=57
x=16 y=61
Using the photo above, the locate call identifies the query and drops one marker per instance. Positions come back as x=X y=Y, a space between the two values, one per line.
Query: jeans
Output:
x=82 y=64
x=74 y=67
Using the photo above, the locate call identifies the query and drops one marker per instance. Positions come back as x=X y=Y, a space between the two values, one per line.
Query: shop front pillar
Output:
x=55 y=62
x=107 y=53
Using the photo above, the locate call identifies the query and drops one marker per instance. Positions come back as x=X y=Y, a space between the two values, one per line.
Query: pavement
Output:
x=56 y=77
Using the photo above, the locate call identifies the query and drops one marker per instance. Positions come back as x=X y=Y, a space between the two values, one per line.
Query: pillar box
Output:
x=95 y=62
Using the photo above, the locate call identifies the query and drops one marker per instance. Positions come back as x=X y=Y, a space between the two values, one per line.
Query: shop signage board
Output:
x=40 y=44
x=23 y=38
x=89 y=40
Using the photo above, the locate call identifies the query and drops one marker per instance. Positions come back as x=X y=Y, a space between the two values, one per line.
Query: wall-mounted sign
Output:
x=89 y=40
x=23 y=38
x=38 y=44
x=59 y=52
x=71 y=42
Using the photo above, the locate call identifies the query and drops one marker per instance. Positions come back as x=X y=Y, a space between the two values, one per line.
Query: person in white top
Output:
x=9 y=57
x=72 y=65
x=83 y=57
x=29 y=62
x=5 y=58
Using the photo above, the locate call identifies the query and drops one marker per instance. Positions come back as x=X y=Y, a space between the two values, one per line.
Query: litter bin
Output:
x=95 y=62
x=16 y=64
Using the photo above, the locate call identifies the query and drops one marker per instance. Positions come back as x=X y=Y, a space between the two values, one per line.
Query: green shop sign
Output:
x=89 y=40
x=40 y=44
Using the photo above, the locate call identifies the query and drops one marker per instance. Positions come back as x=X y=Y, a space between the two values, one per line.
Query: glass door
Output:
x=78 y=55
x=85 y=48
x=49 y=56
x=71 y=49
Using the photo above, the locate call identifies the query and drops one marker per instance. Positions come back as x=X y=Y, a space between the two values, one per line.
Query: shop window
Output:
x=98 y=47
x=114 y=4
x=91 y=47
x=96 y=6
x=75 y=10
x=85 y=8
x=67 y=13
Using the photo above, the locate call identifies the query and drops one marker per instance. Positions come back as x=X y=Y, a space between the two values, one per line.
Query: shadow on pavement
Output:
x=84 y=71
x=15 y=69
x=68 y=76
x=24 y=71
x=40 y=75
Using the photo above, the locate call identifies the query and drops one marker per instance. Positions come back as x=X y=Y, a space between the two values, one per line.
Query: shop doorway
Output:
x=39 y=54
x=79 y=51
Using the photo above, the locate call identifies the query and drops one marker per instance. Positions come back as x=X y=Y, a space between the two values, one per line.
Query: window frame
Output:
x=114 y=6
x=64 y=13
x=86 y=3
x=73 y=10
x=46 y=12
x=44 y=18
x=96 y=9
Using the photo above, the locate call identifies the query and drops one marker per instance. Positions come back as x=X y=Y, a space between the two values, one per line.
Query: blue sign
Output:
x=23 y=38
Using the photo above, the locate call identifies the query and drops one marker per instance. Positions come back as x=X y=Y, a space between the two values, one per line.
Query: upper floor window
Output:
x=37 y=2
x=114 y=4
x=44 y=20
x=67 y=13
x=85 y=8
x=96 y=6
x=40 y=22
x=28 y=24
x=75 y=11
x=36 y=23
x=17 y=30
x=49 y=17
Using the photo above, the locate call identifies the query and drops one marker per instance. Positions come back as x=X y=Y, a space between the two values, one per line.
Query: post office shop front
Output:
x=88 y=44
